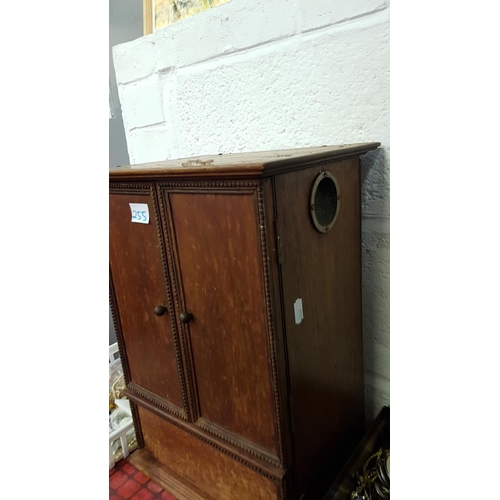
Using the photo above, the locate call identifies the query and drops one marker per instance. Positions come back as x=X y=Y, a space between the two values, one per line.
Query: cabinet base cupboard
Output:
x=235 y=288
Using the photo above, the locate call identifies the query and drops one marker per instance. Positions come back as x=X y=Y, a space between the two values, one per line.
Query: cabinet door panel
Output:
x=220 y=261
x=135 y=256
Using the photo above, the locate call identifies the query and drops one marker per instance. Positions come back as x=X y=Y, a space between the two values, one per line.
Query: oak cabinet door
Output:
x=220 y=280
x=141 y=289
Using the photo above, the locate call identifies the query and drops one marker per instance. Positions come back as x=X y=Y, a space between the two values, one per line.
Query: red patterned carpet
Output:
x=127 y=483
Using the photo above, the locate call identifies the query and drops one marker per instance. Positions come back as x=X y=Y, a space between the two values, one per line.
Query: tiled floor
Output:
x=127 y=483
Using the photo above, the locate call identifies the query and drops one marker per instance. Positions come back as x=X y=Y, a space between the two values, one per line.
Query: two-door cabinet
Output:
x=235 y=288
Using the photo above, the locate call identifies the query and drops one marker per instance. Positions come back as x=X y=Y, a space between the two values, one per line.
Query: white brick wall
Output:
x=261 y=74
x=143 y=103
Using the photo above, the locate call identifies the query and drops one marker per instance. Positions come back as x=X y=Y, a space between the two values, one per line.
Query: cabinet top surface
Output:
x=256 y=164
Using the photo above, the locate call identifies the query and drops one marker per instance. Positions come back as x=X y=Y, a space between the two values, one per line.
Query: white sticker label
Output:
x=140 y=213
x=299 y=313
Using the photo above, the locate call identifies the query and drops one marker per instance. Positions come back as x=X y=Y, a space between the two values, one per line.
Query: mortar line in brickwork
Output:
x=153 y=126
x=250 y=48
x=285 y=38
x=347 y=20
x=140 y=79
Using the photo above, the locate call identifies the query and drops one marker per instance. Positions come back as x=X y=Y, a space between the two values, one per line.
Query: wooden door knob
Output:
x=186 y=317
x=160 y=310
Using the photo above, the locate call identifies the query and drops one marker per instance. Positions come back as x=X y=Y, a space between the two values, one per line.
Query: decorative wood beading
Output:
x=179 y=362
x=270 y=322
x=129 y=188
x=137 y=427
x=182 y=334
x=123 y=358
x=155 y=400
x=155 y=410
x=210 y=184
x=238 y=442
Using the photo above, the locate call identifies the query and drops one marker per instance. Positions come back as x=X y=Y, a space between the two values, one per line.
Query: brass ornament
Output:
x=374 y=482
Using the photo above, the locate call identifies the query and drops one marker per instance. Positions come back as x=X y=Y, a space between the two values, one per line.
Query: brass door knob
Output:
x=160 y=310
x=186 y=317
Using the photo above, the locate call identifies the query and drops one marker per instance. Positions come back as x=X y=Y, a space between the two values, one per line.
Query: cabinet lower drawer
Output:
x=200 y=465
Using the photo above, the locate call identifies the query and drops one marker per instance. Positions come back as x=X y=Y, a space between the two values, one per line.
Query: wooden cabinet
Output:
x=236 y=297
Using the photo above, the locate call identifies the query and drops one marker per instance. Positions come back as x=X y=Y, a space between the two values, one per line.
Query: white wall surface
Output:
x=255 y=75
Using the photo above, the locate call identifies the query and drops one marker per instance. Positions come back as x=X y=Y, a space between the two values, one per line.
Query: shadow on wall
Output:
x=376 y=280
x=375 y=183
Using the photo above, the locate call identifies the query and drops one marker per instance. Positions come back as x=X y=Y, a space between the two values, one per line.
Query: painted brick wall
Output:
x=262 y=74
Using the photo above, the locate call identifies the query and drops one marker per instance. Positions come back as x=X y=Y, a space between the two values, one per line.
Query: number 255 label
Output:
x=140 y=213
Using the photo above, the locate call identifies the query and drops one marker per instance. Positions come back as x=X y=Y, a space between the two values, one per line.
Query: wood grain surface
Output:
x=240 y=165
x=325 y=349
x=237 y=395
x=214 y=473
x=140 y=285
x=220 y=262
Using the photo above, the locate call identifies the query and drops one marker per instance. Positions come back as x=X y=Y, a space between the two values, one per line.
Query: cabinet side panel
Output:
x=321 y=274
x=139 y=285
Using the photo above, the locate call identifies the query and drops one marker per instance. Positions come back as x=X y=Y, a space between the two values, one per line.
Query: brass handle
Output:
x=186 y=317
x=160 y=310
